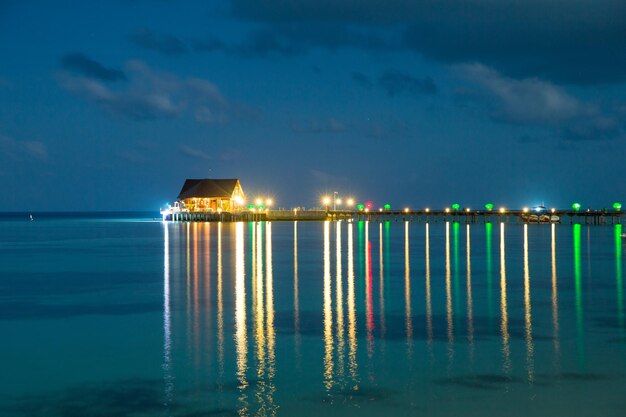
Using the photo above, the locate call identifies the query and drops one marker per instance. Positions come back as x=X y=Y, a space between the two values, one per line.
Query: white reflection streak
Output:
x=555 y=299
x=449 y=293
x=351 y=310
x=407 y=290
x=241 y=340
x=339 y=305
x=220 y=306
x=328 y=313
x=296 y=301
x=271 y=333
x=527 y=312
x=167 y=330
x=429 y=306
x=504 y=325
x=470 y=306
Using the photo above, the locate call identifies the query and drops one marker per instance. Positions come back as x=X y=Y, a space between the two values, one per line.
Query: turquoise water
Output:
x=132 y=317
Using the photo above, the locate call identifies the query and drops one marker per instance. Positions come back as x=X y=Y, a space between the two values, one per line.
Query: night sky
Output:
x=111 y=105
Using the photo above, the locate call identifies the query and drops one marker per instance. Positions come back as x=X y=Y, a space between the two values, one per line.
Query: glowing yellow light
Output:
x=367 y=210
x=467 y=210
x=427 y=210
x=350 y=202
x=258 y=201
x=380 y=209
x=502 y=209
x=326 y=200
x=525 y=209
x=447 y=210
x=553 y=210
x=269 y=202
x=338 y=201
x=406 y=210
x=239 y=200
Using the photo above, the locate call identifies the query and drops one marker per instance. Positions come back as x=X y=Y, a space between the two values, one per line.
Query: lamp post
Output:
x=334 y=200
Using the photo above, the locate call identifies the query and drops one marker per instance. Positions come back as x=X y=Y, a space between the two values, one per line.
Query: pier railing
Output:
x=424 y=216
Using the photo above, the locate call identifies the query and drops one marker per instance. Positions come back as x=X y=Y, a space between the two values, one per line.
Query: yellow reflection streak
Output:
x=429 y=305
x=188 y=315
x=271 y=331
x=205 y=280
x=504 y=325
x=241 y=338
x=555 y=300
x=328 y=313
x=167 y=316
x=407 y=290
x=352 y=340
x=220 y=306
x=259 y=322
x=530 y=365
x=470 y=307
x=382 y=281
x=196 y=312
x=296 y=301
x=339 y=305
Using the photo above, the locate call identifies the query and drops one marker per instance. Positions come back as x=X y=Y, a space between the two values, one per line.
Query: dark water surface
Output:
x=133 y=317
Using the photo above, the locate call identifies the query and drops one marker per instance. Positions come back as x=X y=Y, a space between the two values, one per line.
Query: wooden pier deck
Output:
x=422 y=216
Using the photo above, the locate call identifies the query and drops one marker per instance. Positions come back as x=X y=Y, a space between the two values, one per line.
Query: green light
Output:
x=489 y=206
x=261 y=207
x=617 y=206
x=360 y=207
x=387 y=206
x=576 y=206
x=456 y=206
x=250 y=206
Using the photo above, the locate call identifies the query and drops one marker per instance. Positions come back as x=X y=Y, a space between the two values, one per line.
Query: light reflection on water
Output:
x=312 y=318
x=282 y=306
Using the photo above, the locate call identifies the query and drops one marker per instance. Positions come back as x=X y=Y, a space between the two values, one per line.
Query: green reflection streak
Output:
x=578 y=289
x=488 y=227
x=457 y=284
x=618 y=275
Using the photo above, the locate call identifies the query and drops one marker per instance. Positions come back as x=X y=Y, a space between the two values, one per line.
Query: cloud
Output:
x=163 y=43
x=18 y=149
x=539 y=103
x=193 y=153
x=396 y=83
x=78 y=63
x=574 y=41
x=150 y=94
x=529 y=100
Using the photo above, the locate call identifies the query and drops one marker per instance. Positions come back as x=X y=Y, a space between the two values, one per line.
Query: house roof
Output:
x=208 y=188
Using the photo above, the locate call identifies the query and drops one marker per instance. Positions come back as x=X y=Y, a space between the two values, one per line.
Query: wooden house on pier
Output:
x=212 y=195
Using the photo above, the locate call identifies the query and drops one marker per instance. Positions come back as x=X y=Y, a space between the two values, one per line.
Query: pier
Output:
x=594 y=217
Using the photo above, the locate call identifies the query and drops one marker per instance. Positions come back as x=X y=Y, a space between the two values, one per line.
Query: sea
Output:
x=121 y=314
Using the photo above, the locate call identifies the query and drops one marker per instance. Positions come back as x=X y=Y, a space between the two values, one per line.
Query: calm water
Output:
x=132 y=317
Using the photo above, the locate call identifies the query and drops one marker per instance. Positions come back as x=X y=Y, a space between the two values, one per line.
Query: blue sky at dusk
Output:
x=111 y=105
